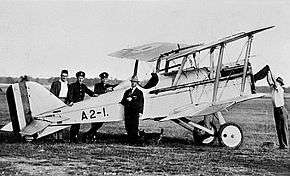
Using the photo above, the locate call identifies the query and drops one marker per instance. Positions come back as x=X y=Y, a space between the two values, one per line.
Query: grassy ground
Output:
x=176 y=155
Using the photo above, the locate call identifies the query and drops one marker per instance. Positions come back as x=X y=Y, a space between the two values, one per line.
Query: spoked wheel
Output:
x=230 y=135
x=202 y=137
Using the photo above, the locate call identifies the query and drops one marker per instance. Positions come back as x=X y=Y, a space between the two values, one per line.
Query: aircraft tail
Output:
x=26 y=100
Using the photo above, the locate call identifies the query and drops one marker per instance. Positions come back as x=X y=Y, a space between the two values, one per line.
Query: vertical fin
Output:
x=25 y=102
x=12 y=109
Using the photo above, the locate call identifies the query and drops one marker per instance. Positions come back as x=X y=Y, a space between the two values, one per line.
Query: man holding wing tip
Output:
x=280 y=112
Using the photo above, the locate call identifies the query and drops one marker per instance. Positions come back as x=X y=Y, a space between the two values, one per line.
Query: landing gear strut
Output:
x=201 y=137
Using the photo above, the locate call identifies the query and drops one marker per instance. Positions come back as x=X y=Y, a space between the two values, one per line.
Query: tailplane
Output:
x=26 y=100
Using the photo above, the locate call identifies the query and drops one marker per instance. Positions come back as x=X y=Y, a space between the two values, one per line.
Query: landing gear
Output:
x=202 y=137
x=201 y=134
x=230 y=135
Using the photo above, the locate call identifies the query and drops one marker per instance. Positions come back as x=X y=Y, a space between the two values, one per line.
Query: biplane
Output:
x=179 y=90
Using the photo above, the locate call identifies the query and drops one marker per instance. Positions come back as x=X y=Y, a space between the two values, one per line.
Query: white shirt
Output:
x=132 y=90
x=63 y=89
x=278 y=96
x=277 y=93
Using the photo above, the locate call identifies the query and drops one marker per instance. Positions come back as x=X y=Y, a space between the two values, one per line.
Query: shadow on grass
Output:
x=102 y=138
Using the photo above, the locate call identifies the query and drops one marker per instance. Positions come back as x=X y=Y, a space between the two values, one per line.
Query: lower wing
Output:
x=193 y=110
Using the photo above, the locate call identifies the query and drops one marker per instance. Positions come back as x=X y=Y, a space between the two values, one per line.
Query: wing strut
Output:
x=246 y=61
x=179 y=71
x=212 y=62
x=217 y=74
x=136 y=68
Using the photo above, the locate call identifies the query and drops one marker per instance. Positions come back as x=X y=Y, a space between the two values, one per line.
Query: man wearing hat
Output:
x=103 y=86
x=280 y=112
x=133 y=102
x=76 y=93
x=60 y=88
x=100 y=88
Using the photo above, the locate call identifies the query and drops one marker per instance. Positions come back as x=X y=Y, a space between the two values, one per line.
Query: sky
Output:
x=40 y=38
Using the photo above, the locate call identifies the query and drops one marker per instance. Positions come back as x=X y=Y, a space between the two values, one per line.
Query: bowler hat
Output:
x=104 y=75
x=80 y=73
x=280 y=80
x=134 y=79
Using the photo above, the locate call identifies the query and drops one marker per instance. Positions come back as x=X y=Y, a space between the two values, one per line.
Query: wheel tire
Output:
x=203 y=138
x=230 y=135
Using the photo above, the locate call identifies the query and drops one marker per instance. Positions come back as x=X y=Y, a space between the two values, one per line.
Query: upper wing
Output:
x=153 y=51
x=192 y=110
x=148 y=52
x=215 y=43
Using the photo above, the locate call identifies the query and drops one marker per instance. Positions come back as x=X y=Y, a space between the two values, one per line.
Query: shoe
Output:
x=74 y=140
x=94 y=138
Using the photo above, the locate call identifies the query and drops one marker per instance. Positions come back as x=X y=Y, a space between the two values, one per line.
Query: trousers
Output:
x=281 y=121
x=131 y=126
x=74 y=131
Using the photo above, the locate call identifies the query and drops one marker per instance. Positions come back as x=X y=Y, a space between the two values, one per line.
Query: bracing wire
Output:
x=227 y=80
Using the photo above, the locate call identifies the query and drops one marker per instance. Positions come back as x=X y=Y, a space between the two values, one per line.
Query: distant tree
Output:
x=10 y=80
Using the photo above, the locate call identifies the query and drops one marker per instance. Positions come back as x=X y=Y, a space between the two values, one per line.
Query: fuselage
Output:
x=194 y=87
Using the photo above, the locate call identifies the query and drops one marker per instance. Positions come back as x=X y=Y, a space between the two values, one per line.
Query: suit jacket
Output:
x=55 y=88
x=133 y=101
x=76 y=92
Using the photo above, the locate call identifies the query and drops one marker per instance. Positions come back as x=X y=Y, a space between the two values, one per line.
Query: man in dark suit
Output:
x=133 y=102
x=100 y=88
x=60 y=88
x=103 y=86
x=76 y=93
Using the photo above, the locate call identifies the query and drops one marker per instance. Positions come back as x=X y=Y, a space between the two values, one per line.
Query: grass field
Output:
x=176 y=155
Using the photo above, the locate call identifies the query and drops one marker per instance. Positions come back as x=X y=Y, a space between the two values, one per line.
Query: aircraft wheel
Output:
x=230 y=135
x=202 y=137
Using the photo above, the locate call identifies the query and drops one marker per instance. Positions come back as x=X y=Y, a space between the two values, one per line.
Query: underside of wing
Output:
x=148 y=52
x=186 y=111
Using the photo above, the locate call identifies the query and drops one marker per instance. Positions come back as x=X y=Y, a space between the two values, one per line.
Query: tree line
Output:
x=92 y=81
x=48 y=81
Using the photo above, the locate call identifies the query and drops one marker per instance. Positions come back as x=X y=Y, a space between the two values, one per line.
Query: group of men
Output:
x=133 y=102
